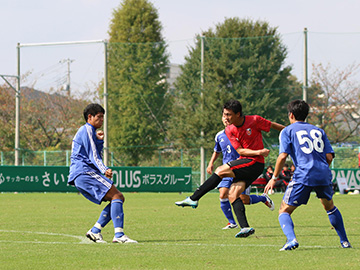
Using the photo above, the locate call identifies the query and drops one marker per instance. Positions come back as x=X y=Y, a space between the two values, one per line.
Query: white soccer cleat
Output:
x=269 y=203
x=96 y=237
x=188 y=202
x=346 y=244
x=230 y=226
x=290 y=245
x=124 y=240
x=245 y=232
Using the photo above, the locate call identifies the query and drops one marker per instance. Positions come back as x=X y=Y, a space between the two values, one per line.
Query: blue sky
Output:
x=39 y=21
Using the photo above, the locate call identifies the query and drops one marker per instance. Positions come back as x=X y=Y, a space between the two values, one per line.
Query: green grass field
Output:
x=46 y=231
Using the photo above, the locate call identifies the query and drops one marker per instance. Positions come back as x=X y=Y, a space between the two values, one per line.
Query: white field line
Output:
x=83 y=240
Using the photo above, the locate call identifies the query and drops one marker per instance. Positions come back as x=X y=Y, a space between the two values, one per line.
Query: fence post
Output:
x=159 y=157
x=67 y=157
x=181 y=158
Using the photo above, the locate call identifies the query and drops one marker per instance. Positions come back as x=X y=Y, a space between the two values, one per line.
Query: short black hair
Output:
x=93 y=109
x=233 y=105
x=299 y=108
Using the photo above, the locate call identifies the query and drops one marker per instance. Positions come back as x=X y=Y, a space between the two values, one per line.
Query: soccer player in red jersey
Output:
x=245 y=136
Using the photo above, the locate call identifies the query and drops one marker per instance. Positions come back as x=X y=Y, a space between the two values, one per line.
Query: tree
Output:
x=137 y=89
x=47 y=121
x=335 y=101
x=7 y=118
x=242 y=60
x=50 y=121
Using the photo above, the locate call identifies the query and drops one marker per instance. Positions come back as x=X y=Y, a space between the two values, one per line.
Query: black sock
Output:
x=211 y=183
x=239 y=209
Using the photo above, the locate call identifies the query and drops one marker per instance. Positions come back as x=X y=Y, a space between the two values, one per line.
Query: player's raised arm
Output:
x=277 y=126
x=210 y=167
x=250 y=153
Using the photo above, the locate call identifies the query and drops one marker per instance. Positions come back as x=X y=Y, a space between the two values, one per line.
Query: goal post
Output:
x=105 y=94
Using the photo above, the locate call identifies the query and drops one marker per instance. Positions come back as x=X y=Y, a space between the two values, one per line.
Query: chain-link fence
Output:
x=345 y=158
x=46 y=68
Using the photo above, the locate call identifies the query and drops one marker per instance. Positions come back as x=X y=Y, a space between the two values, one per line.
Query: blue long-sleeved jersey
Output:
x=223 y=144
x=86 y=153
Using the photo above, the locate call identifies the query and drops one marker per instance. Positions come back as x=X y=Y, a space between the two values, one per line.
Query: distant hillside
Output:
x=33 y=94
x=47 y=121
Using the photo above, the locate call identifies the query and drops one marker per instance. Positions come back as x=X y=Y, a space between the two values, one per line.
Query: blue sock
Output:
x=103 y=219
x=287 y=226
x=337 y=222
x=117 y=216
x=256 y=199
x=226 y=208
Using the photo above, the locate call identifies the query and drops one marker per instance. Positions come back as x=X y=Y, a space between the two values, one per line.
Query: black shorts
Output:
x=246 y=170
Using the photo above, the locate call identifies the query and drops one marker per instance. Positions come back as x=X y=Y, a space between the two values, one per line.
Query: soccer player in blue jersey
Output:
x=312 y=154
x=93 y=179
x=223 y=145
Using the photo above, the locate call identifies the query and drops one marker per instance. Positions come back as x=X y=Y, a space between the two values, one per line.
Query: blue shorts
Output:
x=297 y=194
x=226 y=183
x=93 y=186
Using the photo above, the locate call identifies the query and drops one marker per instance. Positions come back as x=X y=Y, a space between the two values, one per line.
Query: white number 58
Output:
x=316 y=143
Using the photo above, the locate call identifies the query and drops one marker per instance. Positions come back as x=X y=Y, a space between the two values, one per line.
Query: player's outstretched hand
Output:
x=264 y=152
x=209 y=169
x=270 y=186
x=100 y=135
x=109 y=173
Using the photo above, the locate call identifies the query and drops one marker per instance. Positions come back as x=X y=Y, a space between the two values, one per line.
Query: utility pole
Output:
x=202 y=150
x=17 y=110
x=305 y=81
x=67 y=85
x=106 y=135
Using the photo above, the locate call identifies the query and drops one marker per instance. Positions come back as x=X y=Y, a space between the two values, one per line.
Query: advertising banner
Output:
x=352 y=177
x=126 y=179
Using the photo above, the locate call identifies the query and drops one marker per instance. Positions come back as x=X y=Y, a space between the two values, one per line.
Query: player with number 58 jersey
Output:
x=312 y=154
x=307 y=145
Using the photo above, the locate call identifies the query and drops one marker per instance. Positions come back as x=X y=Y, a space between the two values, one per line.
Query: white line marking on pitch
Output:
x=84 y=240
x=235 y=245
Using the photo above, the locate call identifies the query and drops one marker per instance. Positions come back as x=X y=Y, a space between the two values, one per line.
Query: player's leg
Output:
x=245 y=196
x=264 y=198
x=211 y=183
x=246 y=172
x=94 y=186
x=105 y=216
x=103 y=220
x=117 y=215
x=239 y=208
x=295 y=195
x=225 y=204
x=287 y=226
x=335 y=217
